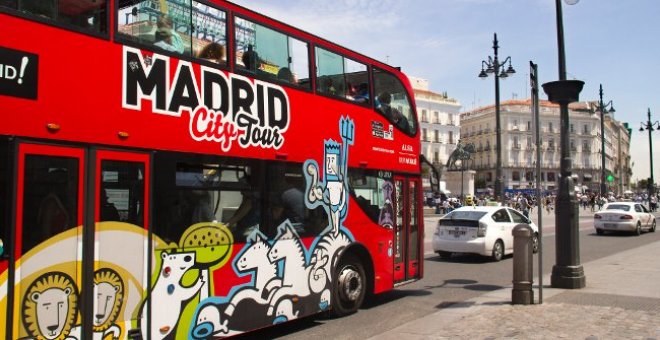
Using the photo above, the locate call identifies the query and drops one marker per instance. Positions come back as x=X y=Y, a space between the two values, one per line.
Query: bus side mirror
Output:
x=2 y=250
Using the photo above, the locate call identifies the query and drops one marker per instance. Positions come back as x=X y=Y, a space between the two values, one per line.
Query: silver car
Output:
x=480 y=230
x=624 y=216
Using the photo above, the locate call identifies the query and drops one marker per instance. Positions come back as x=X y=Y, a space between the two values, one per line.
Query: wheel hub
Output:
x=350 y=284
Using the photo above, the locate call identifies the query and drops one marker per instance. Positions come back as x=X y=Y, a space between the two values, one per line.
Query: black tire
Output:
x=535 y=243
x=638 y=229
x=444 y=254
x=349 y=286
x=498 y=251
x=653 y=226
x=600 y=231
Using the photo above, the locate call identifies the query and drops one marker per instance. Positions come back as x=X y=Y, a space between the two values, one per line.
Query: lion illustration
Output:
x=50 y=307
x=109 y=294
x=108 y=302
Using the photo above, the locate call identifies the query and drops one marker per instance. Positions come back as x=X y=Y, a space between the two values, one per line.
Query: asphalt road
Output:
x=447 y=282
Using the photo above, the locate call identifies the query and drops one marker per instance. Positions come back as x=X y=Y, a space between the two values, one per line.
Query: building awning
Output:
x=586 y=177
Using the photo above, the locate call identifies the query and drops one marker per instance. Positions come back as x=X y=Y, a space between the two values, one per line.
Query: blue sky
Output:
x=609 y=42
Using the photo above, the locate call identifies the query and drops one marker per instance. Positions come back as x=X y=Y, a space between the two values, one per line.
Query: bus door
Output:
x=406 y=231
x=79 y=242
x=47 y=243
x=121 y=203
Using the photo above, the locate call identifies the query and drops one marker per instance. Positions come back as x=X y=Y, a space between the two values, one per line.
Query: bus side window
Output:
x=268 y=53
x=210 y=42
x=166 y=29
x=83 y=14
x=285 y=187
x=392 y=101
x=341 y=77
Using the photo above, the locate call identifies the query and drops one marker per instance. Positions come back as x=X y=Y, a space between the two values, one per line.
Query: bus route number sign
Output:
x=18 y=73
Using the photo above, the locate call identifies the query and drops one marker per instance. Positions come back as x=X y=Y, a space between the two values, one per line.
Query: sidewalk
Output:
x=621 y=301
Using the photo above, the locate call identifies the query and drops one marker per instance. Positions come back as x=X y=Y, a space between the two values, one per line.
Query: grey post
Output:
x=522 y=293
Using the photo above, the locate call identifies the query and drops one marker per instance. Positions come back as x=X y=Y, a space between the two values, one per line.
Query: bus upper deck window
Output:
x=265 y=52
x=392 y=101
x=82 y=14
x=342 y=77
x=165 y=27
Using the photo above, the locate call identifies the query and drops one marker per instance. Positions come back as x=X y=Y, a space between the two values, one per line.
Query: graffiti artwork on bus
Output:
x=285 y=275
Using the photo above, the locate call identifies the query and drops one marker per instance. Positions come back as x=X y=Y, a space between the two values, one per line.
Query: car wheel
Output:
x=600 y=231
x=498 y=251
x=349 y=288
x=653 y=226
x=444 y=254
x=638 y=229
x=535 y=243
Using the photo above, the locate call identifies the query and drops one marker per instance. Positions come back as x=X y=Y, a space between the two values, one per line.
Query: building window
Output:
x=436 y=156
x=425 y=119
x=489 y=177
x=425 y=135
x=515 y=175
x=551 y=176
x=451 y=137
x=529 y=126
x=437 y=136
x=572 y=128
x=437 y=117
x=529 y=176
x=550 y=129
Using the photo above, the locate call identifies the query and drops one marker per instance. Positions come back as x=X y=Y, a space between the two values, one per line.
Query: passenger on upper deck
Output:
x=285 y=74
x=212 y=52
x=251 y=60
x=383 y=106
x=362 y=95
x=166 y=37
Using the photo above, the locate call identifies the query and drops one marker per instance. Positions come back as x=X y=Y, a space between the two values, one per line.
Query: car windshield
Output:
x=465 y=215
x=618 y=207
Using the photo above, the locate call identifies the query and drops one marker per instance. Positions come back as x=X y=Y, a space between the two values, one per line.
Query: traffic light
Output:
x=610 y=178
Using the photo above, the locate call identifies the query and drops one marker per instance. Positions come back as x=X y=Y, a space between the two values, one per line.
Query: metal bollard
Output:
x=522 y=293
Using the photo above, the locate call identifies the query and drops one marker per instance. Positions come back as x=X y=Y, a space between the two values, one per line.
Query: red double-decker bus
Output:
x=177 y=169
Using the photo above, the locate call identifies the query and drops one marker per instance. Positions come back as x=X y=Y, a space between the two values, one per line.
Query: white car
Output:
x=624 y=216
x=480 y=230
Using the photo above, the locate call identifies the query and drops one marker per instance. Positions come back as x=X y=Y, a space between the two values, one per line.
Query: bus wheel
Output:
x=349 y=287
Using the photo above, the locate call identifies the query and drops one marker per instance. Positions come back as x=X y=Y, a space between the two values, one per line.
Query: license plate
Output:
x=610 y=225
x=458 y=232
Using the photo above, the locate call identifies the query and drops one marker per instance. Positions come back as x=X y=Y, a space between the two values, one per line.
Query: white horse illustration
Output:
x=297 y=271
x=255 y=259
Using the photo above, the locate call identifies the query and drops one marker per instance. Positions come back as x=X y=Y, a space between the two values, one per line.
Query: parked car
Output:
x=624 y=216
x=480 y=230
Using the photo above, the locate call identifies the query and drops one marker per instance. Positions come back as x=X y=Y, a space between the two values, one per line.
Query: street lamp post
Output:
x=650 y=126
x=603 y=109
x=567 y=272
x=497 y=69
